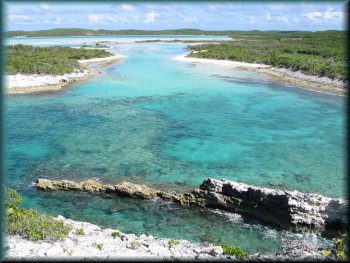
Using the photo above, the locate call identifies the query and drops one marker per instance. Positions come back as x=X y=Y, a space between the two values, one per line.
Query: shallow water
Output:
x=154 y=120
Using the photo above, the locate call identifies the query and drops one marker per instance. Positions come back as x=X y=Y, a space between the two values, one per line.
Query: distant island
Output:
x=104 y=32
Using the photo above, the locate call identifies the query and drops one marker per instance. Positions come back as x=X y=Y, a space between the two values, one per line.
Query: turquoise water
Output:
x=169 y=124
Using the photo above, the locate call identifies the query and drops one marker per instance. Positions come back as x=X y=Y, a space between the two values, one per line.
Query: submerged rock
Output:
x=285 y=209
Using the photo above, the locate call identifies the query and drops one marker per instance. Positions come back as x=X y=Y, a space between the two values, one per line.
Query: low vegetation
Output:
x=30 y=223
x=173 y=243
x=56 y=60
x=342 y=247
x=116 y=234
x=80 y=231
x=98 y=245
x=320 y=53
x=233 y=251
x=33 y=225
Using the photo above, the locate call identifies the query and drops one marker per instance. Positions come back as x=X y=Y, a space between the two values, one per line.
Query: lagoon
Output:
x=154 y=120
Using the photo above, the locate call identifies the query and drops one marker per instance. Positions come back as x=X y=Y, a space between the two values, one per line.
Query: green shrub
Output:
x=341 y=247
x=233 y=251
x=316 y=53
x=30 y=223
x=80 y=231
x=173 y=258
x=98 y=245
x=28 y=59
x=116 y=234
x=173 y=243
x=12 y=198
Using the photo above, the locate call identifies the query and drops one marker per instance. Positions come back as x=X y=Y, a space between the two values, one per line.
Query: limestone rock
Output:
x=286 y=209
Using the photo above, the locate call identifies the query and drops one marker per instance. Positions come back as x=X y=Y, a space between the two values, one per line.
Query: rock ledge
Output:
x=290 y=210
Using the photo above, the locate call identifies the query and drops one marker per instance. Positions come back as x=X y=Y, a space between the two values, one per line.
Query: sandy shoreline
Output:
x=319 y=84
x=96 y=48
x=175 y=42
x=21 y=83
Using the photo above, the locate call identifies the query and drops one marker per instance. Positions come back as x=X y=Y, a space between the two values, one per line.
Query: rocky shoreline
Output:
x=90 y=242
x=290 y=210
x=99 y=244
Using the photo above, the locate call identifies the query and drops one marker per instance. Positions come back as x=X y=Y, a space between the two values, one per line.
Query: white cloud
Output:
x=57 y=21
x=115 y=18
x=126 y=7
x=313 y=15
x=277 y=7
x=44 y=6
x=317 y=17
x=190 y=19
x=330 y=15
x=296 y=20
x=96 y=19
x=16 y=18
x=253 y=20
x=268 y=16
x=282 y=19
x=151 y=17
x=151 y=6
x=22 y=19
x=212 y=7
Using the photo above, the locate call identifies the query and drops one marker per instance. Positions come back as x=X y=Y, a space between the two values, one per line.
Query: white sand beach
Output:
x=315 y=83
x=21 y=83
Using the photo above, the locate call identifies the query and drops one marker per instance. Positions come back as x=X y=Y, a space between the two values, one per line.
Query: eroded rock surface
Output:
x=286 y=209
x=124 y=189
x=100 y=244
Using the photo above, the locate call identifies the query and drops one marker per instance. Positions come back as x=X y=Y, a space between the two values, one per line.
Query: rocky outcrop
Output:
x=286 y=209
x=124 y=189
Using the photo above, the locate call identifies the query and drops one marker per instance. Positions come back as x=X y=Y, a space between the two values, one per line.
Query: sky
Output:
x=228 y=15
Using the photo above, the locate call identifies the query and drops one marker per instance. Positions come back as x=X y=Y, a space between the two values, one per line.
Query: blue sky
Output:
x=229 y=15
